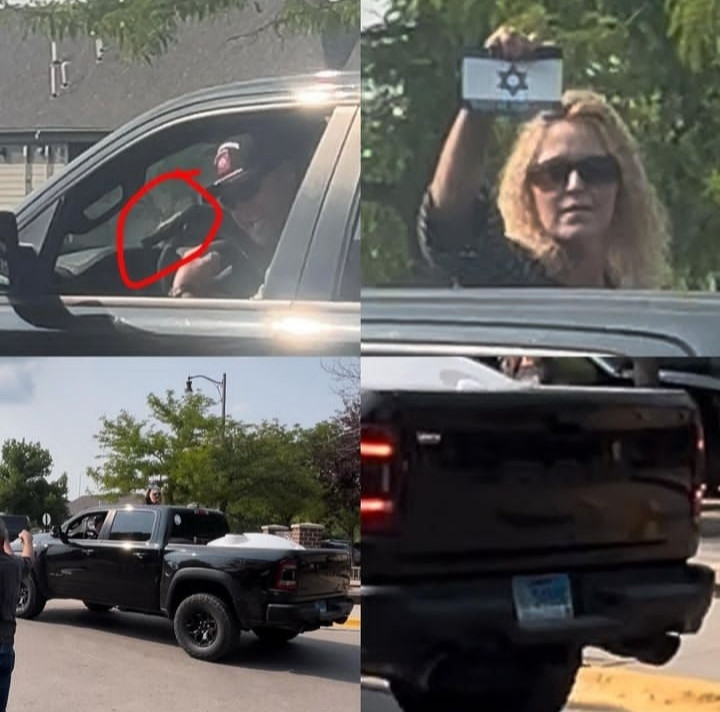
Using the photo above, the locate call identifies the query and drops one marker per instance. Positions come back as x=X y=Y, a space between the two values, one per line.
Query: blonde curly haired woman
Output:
x=575 y=205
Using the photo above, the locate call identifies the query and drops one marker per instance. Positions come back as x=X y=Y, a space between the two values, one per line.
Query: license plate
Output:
x=542 y=598
x=321 y=606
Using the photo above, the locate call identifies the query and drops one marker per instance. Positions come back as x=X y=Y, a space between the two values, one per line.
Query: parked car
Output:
x=353 y=548
x=156 y=560
x=15 y=523
x=505 y=529
x=61 y=287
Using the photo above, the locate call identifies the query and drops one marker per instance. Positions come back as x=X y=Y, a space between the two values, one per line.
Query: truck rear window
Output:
x=197 y=527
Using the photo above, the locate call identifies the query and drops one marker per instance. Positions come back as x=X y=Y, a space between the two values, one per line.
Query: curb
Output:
x=349 y=624
x=632 y=691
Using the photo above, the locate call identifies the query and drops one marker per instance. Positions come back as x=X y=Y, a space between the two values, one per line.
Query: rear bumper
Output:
x=405 y=625
x=309 y=615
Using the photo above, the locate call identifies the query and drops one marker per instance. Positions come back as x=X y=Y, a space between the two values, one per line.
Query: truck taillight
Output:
x=378 y=462
x=286 y=575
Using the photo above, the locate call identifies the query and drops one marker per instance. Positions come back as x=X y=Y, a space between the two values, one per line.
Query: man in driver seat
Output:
x=256 y=183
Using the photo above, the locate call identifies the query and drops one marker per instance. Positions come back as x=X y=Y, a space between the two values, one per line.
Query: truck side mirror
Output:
x=58 y=533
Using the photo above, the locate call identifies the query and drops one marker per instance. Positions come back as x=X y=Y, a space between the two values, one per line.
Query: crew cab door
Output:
x=72 y=568
x=130 y=560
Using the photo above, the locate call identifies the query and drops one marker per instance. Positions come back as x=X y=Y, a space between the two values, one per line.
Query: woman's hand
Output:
x=507 y=43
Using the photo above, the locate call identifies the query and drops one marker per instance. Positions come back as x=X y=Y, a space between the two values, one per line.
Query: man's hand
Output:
x=193 y=278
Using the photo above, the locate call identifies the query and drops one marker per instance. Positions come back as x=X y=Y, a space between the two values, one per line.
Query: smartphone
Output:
x=499 y=86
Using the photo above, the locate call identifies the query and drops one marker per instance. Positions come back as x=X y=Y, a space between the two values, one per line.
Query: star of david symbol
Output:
x=512 y=80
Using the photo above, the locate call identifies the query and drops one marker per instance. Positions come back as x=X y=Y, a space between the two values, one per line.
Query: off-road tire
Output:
x=275 y=636
x=30 y=601
x=97 y=607
x=205 y=627
x=542 y=687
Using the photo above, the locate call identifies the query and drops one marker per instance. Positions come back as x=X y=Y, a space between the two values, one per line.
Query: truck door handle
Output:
x=141 y=554
x=88 y=552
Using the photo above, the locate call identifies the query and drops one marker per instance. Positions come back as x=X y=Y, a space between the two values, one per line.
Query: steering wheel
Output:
x=241 y=258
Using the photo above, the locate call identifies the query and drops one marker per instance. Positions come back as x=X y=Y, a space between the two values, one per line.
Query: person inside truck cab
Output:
x=94 y=526
x=256 y=183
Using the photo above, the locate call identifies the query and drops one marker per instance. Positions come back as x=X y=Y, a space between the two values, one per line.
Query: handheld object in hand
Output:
x=499 y=86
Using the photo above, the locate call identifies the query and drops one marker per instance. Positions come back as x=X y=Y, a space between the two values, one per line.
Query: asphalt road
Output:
x=377 y=699
x=69 y=658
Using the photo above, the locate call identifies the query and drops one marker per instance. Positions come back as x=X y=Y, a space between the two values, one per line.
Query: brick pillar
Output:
x=277 y=530
x=307 y=535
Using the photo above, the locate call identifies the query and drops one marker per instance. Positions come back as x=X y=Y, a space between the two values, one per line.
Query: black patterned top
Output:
x=476 y=252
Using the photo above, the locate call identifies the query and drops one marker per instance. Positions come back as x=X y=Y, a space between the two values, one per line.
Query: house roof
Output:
x=103 y=95
x=88 y=501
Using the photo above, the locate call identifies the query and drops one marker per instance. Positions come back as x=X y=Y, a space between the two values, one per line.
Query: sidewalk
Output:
x=688 y=683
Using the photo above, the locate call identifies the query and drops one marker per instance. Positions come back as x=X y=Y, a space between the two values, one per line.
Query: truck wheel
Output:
x=275 y=636
x=96 y=607
x=542 y=687
x=205 y=627
x=30 y=601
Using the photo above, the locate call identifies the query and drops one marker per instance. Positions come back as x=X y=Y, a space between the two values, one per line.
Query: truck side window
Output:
x=197 y=527
x=252 y=164
x=87 y=526
x=132 y=526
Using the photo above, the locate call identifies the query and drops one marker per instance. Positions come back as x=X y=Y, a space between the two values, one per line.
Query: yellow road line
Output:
x=352 y=623
x=632 y=691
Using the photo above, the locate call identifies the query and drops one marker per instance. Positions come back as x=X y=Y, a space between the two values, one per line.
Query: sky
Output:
x=58 y=402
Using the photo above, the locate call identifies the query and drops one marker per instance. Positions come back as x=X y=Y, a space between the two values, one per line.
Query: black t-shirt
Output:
x=473 y=250
x=12 y=571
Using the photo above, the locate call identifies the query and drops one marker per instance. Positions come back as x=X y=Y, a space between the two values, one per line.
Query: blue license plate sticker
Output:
x=542 y=598
x=321 y=606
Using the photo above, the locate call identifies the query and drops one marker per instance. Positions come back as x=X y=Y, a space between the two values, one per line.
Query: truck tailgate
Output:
x=571 y=476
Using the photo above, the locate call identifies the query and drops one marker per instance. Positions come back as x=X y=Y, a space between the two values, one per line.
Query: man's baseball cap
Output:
x=241 y=163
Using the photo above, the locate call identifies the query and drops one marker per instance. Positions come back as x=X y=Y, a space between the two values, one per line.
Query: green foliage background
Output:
x=257 y=473
x=25 y=485
x=145 y=28
x=657 y=61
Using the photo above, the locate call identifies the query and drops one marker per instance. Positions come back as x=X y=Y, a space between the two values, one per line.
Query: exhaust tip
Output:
x=660 y=650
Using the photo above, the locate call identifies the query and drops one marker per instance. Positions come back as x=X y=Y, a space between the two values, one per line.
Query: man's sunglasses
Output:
x=593 y=170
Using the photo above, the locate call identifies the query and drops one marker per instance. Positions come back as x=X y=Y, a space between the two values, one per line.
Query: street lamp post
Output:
x=222 y=390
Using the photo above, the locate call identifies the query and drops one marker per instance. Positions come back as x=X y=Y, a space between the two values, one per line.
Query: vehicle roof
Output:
x=130 y=507
x=338 y=87
x=303 y=90
x=600 y=322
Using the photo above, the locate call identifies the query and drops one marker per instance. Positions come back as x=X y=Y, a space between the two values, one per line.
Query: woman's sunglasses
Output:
x=593 y=170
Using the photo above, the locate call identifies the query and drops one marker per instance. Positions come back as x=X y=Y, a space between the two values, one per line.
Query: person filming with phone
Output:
x=574 y=207
x=13 y=569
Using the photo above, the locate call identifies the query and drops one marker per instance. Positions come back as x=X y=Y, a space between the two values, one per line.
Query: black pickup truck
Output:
x=62 y=289
x=505 y=529
x=156 y=560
